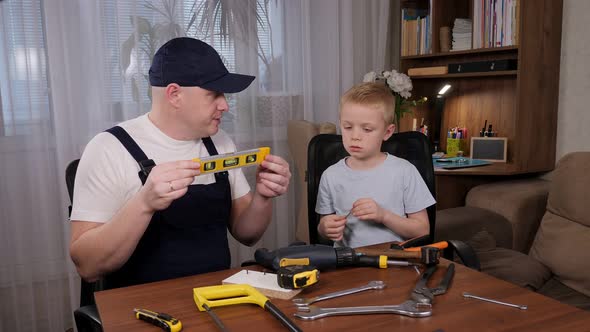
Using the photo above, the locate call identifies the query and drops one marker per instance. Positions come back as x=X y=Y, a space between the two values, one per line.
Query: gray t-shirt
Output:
x=395 y=185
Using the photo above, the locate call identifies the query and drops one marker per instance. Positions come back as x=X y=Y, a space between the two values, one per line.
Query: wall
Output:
x=573 y=123
x=393 y=42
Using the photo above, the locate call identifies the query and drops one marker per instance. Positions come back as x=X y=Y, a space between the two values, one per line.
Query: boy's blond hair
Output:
x=375 y=94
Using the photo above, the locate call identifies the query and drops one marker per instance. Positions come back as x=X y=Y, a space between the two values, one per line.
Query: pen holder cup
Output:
x=454 y=145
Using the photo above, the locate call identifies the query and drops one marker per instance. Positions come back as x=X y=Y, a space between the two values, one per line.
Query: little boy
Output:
x=371 y=196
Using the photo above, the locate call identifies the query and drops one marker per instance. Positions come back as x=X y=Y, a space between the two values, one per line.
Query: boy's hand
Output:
x=332 y=227
x=368 y=209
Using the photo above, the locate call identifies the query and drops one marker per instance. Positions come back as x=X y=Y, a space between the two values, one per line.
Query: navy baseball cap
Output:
x=191 y=62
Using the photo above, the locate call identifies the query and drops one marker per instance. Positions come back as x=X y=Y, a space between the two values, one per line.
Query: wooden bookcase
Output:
x=520 y=104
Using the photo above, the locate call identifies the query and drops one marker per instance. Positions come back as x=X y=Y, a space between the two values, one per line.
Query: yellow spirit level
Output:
x=224 y=162
x=160 y=319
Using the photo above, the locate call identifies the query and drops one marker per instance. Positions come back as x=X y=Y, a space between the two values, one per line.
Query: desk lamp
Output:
x=439 y=105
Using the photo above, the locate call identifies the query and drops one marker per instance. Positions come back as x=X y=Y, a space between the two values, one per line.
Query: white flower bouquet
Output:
x=401 y=87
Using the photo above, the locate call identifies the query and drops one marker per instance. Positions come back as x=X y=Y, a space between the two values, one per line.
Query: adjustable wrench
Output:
x=409 y=308
x=303 y=302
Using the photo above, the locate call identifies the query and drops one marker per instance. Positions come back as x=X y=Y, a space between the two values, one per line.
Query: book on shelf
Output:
x=462 y=34
x=416 y=31
x=424 y=71
x=495 y=23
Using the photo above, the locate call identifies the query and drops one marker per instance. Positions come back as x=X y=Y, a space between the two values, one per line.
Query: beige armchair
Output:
x=558 y=262
x=510 y=211
x=299 y=133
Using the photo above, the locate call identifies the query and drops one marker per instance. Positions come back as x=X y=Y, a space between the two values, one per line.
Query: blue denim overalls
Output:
x=188 y=237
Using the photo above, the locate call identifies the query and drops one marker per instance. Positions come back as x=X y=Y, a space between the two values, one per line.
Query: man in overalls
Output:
x=140 y=213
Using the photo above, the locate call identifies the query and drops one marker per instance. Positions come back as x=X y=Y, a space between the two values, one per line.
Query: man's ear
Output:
x=388 y=132
x=173 y=94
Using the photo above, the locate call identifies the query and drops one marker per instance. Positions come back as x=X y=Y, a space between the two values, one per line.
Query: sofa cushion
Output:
x=564 y=246
x=570 y=188
x=563 y=240
x=560 y=292
x=510 y=265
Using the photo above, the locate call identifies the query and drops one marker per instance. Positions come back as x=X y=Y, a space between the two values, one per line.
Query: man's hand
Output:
x=167 y=182
x=368 y=209
x=272 y=177
x=332 y=227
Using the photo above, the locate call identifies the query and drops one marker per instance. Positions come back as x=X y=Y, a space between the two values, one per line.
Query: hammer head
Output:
x=430 y=255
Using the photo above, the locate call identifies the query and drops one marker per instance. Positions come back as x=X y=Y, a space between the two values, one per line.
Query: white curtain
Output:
x=70 y=69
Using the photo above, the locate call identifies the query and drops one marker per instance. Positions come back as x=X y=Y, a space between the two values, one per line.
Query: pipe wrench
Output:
x=423 y=295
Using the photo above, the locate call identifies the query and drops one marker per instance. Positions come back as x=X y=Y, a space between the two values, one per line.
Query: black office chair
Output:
x=325 y=150
x=86 y=317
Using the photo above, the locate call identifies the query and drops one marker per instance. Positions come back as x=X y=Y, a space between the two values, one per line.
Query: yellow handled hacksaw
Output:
x=224 y=162
x=222 y=295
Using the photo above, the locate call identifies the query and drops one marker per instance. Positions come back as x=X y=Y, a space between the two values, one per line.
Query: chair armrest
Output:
x=465 y=252
x=463 y=223
x=87 y=319
x=521 y=202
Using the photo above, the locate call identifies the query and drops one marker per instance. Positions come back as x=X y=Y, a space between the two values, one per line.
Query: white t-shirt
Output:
x=107 y=174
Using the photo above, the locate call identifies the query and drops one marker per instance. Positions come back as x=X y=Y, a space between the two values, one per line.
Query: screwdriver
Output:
x=160 y=319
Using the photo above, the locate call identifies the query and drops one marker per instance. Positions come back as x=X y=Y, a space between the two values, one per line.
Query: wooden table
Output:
x=451 y=312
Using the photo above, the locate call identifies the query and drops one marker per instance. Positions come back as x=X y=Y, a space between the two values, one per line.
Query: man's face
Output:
x=363 y=130
x=202 y=110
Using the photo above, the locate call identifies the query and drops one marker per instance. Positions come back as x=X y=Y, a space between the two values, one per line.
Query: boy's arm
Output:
x=331 y=226
x=415 y=225
x=417 y=198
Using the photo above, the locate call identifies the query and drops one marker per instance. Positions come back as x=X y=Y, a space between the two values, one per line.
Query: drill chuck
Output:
x=345 y=256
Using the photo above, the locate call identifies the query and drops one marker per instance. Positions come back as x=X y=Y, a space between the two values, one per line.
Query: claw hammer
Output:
x=427 y=255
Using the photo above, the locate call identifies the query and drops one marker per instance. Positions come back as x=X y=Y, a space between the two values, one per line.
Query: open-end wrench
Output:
x=409 y=308
x=302 y=302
